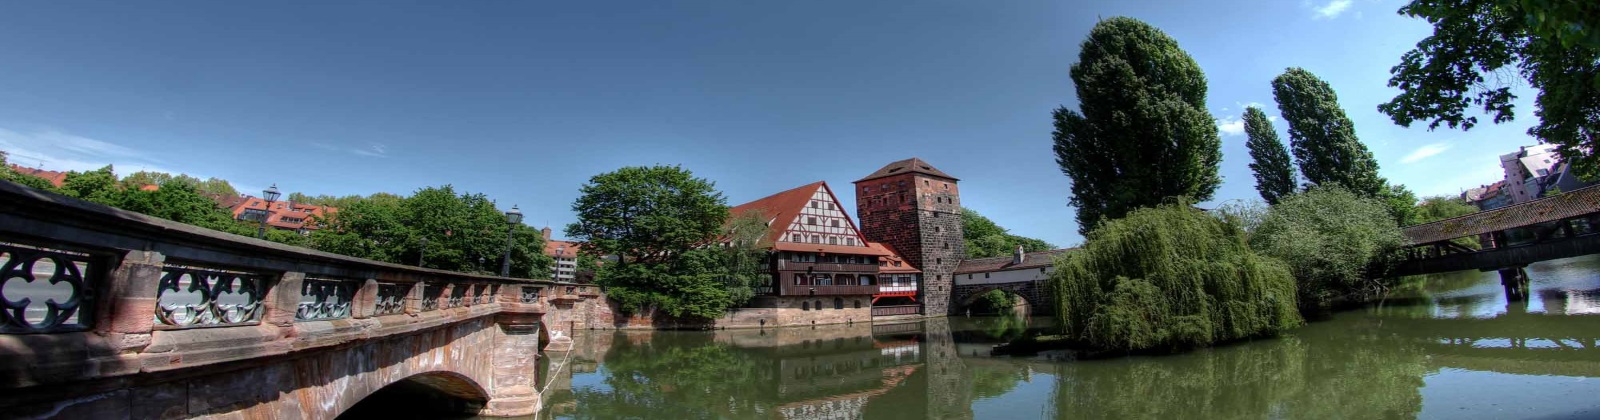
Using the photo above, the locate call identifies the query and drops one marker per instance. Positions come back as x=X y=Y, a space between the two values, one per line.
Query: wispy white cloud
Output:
x=373 y=149
x=1425 y=152
x=57 y=151
x=1230 y=126
x=1331 y=10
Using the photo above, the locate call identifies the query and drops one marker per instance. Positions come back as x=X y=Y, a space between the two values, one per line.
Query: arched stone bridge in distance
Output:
x=113 y=314
x=1022 y=275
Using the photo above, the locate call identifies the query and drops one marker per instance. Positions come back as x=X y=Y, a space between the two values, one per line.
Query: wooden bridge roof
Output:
x=1570 y=204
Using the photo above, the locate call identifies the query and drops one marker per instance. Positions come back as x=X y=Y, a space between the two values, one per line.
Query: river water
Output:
x=1446 y=346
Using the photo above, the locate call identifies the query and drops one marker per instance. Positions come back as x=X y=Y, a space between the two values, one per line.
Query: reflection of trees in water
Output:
x=1307 y=375
x=679 y=376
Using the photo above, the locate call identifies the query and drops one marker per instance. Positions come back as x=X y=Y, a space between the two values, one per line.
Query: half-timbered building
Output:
x=819 y=260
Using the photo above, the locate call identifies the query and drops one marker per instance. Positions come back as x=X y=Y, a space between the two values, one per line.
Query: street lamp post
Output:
x=271 y=195
x=513 y=217
x=423 y=252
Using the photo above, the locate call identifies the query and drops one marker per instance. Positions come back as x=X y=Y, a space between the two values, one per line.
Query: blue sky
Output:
x=524 y=101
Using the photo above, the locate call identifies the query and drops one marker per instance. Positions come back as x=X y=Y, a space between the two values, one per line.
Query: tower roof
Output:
x=916 y=165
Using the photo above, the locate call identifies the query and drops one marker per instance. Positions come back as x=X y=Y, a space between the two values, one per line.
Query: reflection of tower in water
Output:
x=949 y=391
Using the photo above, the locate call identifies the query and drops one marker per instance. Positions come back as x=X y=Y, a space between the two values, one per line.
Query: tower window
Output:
x=938 y=260
x=946 y=185
x=924 y=182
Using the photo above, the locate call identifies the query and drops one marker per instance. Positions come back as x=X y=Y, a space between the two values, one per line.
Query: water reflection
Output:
x=1448 y=346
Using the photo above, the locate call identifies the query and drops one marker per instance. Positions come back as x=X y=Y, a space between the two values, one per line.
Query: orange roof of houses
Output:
x=56 y=178
x=566 y=248
x=298 y=214
x=916 y=165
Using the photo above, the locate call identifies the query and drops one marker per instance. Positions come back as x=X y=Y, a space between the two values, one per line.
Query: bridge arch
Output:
x=1032 y=293
x=426 y=394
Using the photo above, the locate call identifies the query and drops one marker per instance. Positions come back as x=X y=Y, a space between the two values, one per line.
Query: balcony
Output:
x=821 y=290
x=896 y=310
x=785 y=265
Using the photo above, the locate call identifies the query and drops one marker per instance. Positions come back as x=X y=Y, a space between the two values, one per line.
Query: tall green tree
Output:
x=1273 y=168
x=647 y=214
x=659 y=221
x=1323 y=138
x=985 y=238
x=1143 y=134
x=1554 y=45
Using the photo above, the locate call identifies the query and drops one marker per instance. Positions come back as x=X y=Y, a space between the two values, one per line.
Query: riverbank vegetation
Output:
x=985 y=238
x=1171 y=278
x=1331 y=239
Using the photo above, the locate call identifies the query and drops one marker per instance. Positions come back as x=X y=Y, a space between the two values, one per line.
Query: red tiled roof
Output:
x=1029 y=260
x=282 y=209
x=895 y=263
x=907 y=166
x=56 y=178
x=780 y=208
x=567 y=248
x=1570 y=204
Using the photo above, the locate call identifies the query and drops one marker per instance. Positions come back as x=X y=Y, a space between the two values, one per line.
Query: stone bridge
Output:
x=1032 y=292
x=111 y=314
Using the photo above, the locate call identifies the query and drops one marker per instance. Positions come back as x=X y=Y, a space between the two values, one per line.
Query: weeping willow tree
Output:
x=1171 y=278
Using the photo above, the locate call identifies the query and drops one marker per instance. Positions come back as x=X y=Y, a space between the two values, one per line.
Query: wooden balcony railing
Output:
x=805 y=290
x=896 y=310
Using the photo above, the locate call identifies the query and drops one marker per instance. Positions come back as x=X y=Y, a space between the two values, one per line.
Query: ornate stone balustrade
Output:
x=109 y=301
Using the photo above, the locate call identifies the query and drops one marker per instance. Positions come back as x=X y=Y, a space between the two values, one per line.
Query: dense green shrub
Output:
x=1330 y=238
x=1171 y=278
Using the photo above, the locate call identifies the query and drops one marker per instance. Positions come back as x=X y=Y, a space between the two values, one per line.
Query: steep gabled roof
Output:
x=916 y=165
x=893 y=262
x=782 y=208
x=779 y=208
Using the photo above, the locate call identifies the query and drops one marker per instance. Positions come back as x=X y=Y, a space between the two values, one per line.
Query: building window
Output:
x=834 y=222
x=850 y=241
x=813 y=204
x=817 y=304
x=811 y=220
x=838 y=303
x=858 y=303
x=833 y=240
x=938 y=260
x=969 y=277
x=947 y=185
x=924 y=182
x=985 y=275
x=805 y=306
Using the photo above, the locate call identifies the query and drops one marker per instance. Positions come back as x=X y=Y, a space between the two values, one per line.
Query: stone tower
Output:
x=916 y=209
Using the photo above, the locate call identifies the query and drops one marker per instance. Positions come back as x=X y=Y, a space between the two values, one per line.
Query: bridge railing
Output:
x=92 y=291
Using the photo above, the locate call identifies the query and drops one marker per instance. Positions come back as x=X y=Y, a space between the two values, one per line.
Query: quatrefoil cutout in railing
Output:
x=322 y=299
x=190 y=296
x=41 y=290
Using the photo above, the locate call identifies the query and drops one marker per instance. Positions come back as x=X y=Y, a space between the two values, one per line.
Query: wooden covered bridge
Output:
x=1507 y=239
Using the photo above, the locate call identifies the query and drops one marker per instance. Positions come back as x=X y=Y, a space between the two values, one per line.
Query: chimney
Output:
x=1016 y=258
x=545 y=232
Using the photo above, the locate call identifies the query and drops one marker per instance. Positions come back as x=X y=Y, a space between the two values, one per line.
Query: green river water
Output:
x=1449 y=346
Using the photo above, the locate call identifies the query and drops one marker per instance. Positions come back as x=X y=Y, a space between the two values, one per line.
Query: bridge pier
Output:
x=1515 y=280
x=516 y=353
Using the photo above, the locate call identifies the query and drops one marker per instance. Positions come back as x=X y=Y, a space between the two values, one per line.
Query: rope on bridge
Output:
x=552 y=380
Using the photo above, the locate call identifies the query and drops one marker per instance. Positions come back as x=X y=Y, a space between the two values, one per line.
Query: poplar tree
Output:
x=1273 y=168
x=1322 y=137
x=1142 y=133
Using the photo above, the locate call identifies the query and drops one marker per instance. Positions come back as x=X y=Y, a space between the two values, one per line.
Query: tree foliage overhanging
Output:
x=1143 y=134
x=1478 y=49
x=1170 y=278
x=985 y=238
x=1270 y=162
